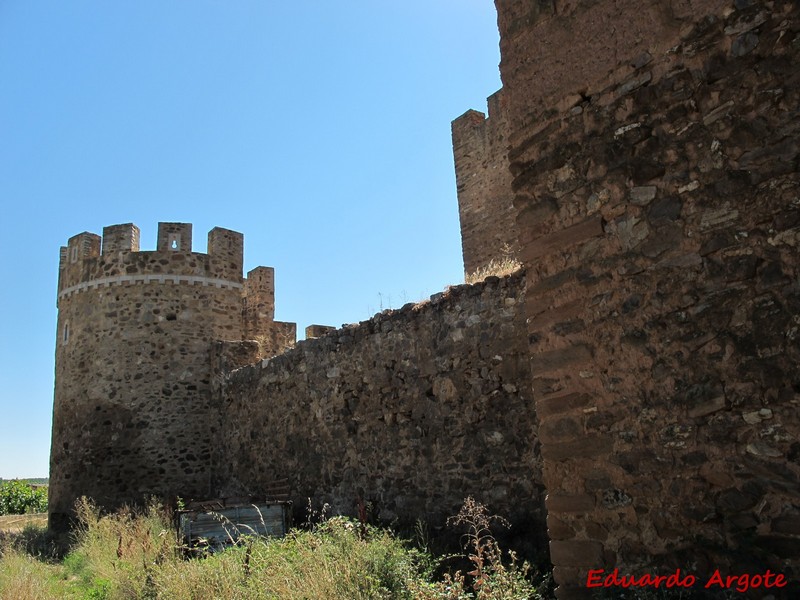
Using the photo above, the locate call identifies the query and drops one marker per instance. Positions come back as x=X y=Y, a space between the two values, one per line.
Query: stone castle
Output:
x=632 y=397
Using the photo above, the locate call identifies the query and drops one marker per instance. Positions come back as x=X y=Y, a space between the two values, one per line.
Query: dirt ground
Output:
x=16 y=523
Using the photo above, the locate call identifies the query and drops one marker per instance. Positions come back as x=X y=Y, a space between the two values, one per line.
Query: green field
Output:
x=31 y=480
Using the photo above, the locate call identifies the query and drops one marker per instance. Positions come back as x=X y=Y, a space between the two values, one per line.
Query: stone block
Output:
x=763 y=450
x=571 y=356
x=590 y=446
x=634 y=83
x=789 y=525
x=564 y=312
x=707 y=407
x=555 y=430
x=553 y=405
x=558 y=529
x=566 y=503
x=562 y=240
x=643 y=195
x=577 y=553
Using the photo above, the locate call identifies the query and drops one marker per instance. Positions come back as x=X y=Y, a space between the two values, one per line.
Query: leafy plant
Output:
x=490 y=578
x=19 y=497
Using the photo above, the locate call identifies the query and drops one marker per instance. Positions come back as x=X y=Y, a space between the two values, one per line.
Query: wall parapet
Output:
x=82 y=264
x=383 y=322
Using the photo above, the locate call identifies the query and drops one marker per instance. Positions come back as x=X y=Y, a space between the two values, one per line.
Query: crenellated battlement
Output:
x=89 y=261
x=259 y=287
x=79 y=247
x=121 y=238
x=174 y=237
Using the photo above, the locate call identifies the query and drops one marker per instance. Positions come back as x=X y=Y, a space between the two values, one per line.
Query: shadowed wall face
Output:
x=655 y=174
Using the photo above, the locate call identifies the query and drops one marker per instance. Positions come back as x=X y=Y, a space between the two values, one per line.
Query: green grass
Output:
x=133 y=555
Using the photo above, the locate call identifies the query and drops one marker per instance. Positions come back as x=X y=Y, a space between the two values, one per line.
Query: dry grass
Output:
x=497 y=267
x=130 y=555
x=16 y=523
x=25 y=577
x=26 y=568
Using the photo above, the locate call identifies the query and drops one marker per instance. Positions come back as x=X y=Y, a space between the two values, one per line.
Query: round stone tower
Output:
x=134 y=414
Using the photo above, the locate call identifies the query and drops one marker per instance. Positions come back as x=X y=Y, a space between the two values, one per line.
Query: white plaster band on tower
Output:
x=142 y=279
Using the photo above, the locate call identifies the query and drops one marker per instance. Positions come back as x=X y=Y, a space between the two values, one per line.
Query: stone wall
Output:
x=410 y=412
x=161 y=390
x=655 y=174
x=483 y=182
x=134 y=413
x=555 y=53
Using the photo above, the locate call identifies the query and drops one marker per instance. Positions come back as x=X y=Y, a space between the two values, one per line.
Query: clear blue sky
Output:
x=319 y=129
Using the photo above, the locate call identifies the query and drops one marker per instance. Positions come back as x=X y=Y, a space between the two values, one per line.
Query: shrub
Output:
x=19 y=497
x=337 y=559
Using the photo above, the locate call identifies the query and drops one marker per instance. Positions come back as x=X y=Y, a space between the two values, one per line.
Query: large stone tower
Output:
x=134 y=414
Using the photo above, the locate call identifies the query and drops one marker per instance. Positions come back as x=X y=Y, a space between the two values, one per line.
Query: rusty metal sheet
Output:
x=224 y=525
